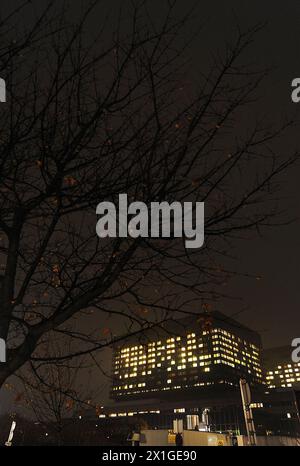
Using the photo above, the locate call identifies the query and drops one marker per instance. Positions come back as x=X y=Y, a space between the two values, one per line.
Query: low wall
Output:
x=154 y=438
x=270 y=441
x=204 y=439
x=161 y=437
x=273 y=440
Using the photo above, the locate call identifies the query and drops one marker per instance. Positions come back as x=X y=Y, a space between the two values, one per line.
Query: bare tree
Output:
x=55 y=394
x=89 y=116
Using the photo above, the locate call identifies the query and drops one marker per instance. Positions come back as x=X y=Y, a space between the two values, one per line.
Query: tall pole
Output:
x=2 y=90
x=246 y=400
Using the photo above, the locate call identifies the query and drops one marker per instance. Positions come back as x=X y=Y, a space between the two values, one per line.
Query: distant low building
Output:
x=280 y=370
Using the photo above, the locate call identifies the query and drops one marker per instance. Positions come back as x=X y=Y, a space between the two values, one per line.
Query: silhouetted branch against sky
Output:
x=94 y=113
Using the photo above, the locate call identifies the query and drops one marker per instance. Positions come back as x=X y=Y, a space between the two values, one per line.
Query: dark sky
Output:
x=272 y=303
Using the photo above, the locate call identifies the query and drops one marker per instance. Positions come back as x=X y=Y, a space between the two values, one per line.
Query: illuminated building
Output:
x=188 y=371
x=280 y=370
x=202 y=351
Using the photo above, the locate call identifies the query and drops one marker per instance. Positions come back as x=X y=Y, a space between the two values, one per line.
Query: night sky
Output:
x=269 y=305
x=272 y=304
